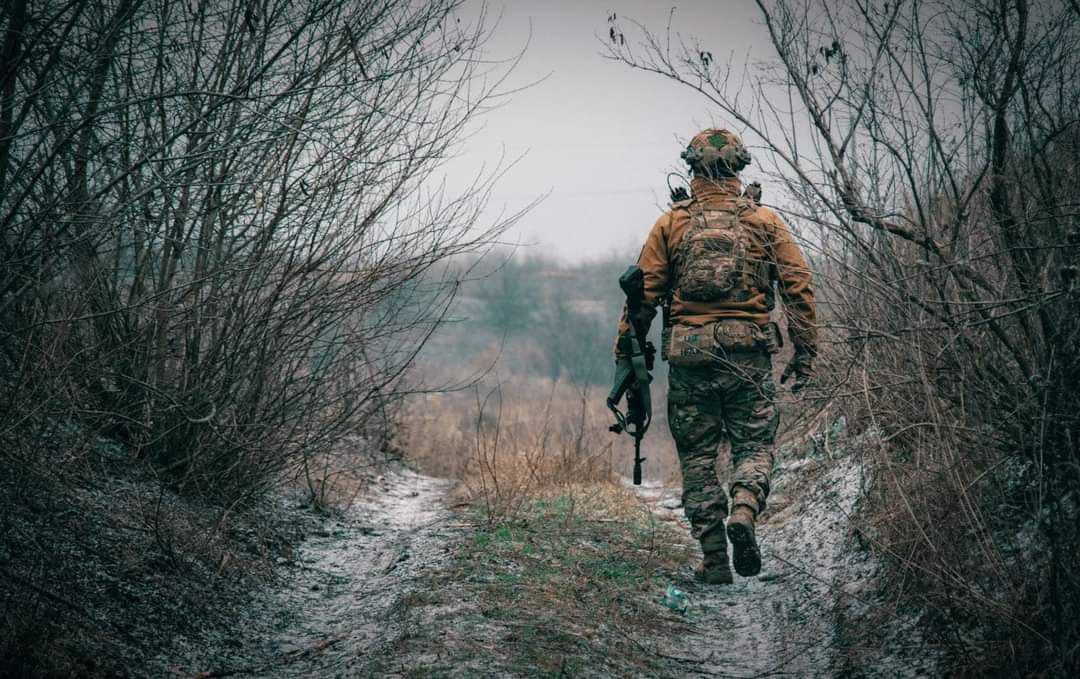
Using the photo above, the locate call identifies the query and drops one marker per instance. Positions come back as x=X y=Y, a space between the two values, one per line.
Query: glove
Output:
x=802 y=367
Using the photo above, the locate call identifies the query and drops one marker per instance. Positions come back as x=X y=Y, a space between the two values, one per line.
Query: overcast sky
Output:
x=597 y=135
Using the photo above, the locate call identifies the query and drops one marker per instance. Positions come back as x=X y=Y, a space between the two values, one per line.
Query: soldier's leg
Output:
x=751 y=417
x=696 y=424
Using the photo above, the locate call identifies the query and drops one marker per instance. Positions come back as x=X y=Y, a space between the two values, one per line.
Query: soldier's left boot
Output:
x=740 y=531
x=714 y=569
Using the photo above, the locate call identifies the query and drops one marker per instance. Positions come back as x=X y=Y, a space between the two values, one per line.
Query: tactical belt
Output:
x=690 y=345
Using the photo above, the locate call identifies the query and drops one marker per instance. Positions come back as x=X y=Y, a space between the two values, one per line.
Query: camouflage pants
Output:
x=732 y=399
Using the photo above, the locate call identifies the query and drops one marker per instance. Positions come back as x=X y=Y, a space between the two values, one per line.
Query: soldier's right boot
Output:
x=740 y=531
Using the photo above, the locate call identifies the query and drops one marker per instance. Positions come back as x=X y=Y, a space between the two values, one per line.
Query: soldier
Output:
x=715 y=258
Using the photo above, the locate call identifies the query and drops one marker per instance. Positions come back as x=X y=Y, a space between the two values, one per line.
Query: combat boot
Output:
x=740 y=531
x=714 y=569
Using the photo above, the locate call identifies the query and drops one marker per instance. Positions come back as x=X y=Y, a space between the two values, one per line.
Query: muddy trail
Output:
x=340 y=608
x=787 y=621
x=334 y=606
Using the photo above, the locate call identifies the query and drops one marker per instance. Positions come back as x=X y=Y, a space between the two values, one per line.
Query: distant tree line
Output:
x=555 y=319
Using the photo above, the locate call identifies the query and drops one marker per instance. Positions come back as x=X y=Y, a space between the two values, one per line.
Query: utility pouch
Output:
x=737 y=335
x=774 y=339
x=692 y=345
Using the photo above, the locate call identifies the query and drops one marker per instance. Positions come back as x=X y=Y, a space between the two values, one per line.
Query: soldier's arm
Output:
x=654 y=262
x=796 y=285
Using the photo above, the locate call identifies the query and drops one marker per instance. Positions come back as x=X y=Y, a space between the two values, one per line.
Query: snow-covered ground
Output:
x=337 y=602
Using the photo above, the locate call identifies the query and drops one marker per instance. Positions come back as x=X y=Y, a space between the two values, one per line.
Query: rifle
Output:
x=632 y=376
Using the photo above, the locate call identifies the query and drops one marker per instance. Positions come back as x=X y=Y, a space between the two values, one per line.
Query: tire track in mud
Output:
x=782 y=622
x=339 y=603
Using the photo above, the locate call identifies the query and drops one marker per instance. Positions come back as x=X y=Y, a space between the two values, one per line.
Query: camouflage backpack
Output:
x=711 y=258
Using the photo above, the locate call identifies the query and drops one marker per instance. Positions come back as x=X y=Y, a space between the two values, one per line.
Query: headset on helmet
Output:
x=716 y=153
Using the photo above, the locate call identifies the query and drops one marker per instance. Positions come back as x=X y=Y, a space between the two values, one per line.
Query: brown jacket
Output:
x=771 y=244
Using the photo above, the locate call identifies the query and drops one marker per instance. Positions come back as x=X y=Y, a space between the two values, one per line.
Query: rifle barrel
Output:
x=637 y=460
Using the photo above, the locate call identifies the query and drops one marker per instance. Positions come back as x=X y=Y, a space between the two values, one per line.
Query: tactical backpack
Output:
x=711 y=261
x=712 y=265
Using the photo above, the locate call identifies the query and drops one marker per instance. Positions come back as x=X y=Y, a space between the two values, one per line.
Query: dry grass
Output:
x=126 y=567
x=571 y=585
x=528 y=431
x=566 y=567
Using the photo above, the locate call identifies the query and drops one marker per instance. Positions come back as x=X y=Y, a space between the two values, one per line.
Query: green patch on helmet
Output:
x=718 y=141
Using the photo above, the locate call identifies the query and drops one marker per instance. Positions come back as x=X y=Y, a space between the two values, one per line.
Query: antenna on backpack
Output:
x=679 y=192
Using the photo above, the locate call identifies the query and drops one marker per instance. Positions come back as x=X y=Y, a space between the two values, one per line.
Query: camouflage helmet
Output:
x=716 y=151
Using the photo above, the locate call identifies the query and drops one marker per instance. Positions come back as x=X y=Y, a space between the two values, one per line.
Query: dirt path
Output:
x=783 y=622
x=338 y=601
x=339 y=607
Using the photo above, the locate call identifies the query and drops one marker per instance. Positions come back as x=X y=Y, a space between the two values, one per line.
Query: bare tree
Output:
x=223 y=240
x=218 y=224
x=927 y=152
